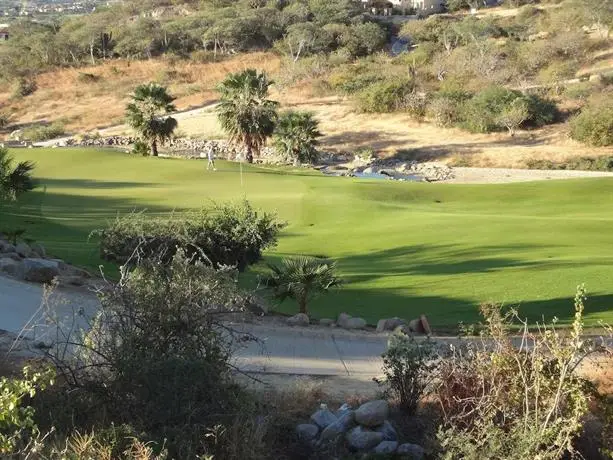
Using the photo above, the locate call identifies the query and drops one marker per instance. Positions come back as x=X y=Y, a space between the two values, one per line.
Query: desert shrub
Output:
x=480 y=112
x=594 y=125
x=44 y=132
x=579 y=91
x=409 y=369
x=415 y=104
x=24 y=87
x=485 y=111
x=602 y=163
x=85 y=77
x=140 y=148
x=351 y=81
x=541 y=111
x=156 y=357
x=384 y=96
x=558 y=71
x=5 y=119
x=505 y=401
x=443 y=111
x=225 y=234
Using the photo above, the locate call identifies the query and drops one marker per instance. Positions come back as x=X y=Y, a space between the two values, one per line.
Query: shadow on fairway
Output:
x=92 y=184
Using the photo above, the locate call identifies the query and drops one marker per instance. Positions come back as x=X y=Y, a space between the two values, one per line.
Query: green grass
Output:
x=403 y=248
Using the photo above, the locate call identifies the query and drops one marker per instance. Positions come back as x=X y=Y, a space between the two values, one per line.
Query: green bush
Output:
x=482 y=113
x=232 y=234
x=141 y=148
x=594 y=125
x=18 y=430
x=479 y=113
x=384 y=96
x=44 y=132
x=409 y=369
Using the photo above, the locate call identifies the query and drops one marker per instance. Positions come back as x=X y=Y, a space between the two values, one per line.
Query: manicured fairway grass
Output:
x=404 y=248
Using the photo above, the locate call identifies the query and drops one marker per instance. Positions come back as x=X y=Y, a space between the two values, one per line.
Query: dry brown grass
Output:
x=83 y=106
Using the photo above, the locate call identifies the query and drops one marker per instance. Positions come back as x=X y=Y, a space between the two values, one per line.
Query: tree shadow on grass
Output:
x=91 y=184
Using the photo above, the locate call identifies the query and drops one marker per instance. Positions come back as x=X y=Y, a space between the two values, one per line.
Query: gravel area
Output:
x=502 y=175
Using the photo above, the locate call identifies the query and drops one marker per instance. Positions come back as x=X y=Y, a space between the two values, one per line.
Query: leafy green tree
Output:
x=301 y=279
x=244 y=111
x=146 y=114
x=14 y=180
x=363 y=39
x=296 y=136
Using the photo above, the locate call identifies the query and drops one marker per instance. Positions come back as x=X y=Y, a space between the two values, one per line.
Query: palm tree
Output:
x=14 y=180
x=301 y=279
x=296 y=136
x=146 y=115
x=244 y=112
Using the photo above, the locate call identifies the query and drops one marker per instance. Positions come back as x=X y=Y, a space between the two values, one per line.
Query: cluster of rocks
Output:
x=391 y=168
x=364 y=430
x=30 y=263
x=344 y=321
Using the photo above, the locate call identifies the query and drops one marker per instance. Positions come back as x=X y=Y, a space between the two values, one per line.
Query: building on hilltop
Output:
x=421 y=7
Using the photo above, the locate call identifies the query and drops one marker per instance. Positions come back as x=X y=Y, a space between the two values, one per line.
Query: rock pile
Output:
x=364 y=430
x=30 y=263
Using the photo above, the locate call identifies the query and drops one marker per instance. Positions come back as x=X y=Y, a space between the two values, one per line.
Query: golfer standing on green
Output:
x=211 y=158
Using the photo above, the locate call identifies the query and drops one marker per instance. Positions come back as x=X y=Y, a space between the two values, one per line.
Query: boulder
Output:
x=411 y=451
x=386 y=447
x=355 y=323
x=361 y=438
x=372 y=414
x=339 y=427
x=10 y=267
x=388 y=431
x=420 y=325
x=323 y=417
x=10 y=255
x=40 y=270
x=307 y=431
x=39 y=250
x=342 y=319
x=596 y=78
x=23 y=249
x=61 y=264
x=326 y=322
x=344 y=409
x=298 y=320
x=389 y=324
x=71 y=280
x=5 y=247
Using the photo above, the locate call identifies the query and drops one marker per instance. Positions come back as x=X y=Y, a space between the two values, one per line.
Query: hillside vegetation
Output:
x=535 y=75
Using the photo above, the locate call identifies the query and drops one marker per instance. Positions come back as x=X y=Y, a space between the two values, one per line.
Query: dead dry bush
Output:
x=508 y=398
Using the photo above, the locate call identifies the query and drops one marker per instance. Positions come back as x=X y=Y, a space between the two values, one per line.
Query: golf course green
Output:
x=403 y=248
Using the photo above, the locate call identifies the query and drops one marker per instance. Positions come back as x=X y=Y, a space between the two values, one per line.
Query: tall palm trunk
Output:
x=302 y=304
x=154 y=148
x=249 y=154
